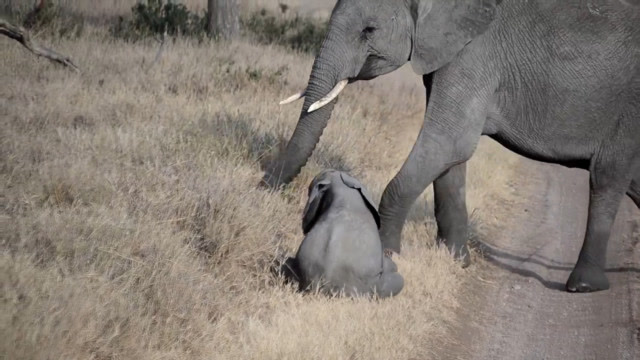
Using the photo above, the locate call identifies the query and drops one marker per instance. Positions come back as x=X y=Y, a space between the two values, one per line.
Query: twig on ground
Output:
x=22 y=36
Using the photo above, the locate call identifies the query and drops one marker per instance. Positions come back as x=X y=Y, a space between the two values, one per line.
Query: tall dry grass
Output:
x=111 y=8
x=131 y=226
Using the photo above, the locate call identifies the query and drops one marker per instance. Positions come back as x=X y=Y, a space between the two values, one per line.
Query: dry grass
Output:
x=131 y=226
x=110 y=8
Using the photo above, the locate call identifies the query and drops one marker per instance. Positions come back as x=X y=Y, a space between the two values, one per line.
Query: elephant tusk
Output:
x=330 y=96
x=293 y=98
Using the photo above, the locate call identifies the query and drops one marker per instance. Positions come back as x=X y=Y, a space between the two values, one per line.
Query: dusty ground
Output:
x=517 y=306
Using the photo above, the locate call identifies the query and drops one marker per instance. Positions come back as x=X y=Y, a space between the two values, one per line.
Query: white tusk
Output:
x=330 y=96
x=293 y=98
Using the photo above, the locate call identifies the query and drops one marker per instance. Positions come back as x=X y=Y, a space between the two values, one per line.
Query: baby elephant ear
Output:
x=317 y=192
x=444 y=27
x=355 y=184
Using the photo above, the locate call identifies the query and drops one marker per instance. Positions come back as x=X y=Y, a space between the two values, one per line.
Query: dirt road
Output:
x=518 y=309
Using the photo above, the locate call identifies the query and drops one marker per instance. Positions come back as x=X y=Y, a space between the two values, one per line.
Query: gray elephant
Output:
x=341 y=251
x=554 y=80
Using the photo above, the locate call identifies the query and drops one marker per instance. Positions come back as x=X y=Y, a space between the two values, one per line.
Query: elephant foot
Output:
x=460 y=253
x=463 y=256
x=389 y=245
x=389 y=284
x=587 y=278
x=269 y=183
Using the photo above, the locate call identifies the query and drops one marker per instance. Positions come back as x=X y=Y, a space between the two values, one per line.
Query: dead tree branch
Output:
x=22 y=36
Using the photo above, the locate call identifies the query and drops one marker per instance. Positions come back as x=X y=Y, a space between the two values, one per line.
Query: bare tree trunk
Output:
x=223 y=18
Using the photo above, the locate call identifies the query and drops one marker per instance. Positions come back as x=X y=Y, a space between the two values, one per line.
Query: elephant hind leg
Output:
x=609 y=180
x=451 y=211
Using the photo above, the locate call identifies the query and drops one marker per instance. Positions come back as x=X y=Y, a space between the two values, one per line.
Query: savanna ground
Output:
x=132 y=227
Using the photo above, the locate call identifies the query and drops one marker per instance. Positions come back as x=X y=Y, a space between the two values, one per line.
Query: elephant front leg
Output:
x=608 y=184
x=454 y=122
x=435 y=152
x=451 y=211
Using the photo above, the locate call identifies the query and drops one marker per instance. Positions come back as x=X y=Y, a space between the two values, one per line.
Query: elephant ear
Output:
x=317 y=193
x=355 y=184
x=444 y=27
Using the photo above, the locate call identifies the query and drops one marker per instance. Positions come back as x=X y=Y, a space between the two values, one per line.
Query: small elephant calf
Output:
x=342 y=250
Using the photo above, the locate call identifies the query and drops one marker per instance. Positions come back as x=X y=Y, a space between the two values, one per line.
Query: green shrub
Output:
x=298 y=33
x=154 y=17
x=15 y=13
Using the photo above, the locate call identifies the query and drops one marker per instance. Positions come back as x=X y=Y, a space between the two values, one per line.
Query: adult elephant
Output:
x=553 y=80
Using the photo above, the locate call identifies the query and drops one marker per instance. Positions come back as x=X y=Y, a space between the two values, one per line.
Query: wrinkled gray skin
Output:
x=341 y=251
x=554 y=80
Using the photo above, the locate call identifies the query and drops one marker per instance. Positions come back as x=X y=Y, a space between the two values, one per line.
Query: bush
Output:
x=154 y=17
x=15 y=13
x=50 y=19
x=298 y=33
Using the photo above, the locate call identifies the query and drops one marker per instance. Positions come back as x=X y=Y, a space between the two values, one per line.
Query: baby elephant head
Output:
x=328 y=186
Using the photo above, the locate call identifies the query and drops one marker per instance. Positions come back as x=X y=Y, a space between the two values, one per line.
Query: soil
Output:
x=515 y=307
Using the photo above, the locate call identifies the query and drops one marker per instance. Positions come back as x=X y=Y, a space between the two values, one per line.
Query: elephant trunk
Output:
x=327 y=73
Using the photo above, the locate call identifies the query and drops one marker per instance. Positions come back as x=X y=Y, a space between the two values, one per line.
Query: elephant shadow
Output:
x=499 y=258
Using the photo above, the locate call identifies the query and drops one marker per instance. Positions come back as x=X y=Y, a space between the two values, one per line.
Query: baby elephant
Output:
x=342 y=250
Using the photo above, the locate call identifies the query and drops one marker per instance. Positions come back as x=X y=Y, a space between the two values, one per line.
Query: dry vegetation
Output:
x=131 y=226
x=111 y=8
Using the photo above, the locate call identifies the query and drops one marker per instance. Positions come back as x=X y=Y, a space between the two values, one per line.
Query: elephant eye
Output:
x=369 y=30
x=367 y=33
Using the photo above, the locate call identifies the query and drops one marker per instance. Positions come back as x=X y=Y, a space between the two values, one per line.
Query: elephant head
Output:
x=369 y=38
x=329 y=185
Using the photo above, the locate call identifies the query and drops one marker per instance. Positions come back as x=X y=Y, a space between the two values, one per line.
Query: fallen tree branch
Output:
x=22 y=36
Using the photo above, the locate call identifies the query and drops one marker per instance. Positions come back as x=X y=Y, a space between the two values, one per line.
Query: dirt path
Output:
x=518 y=309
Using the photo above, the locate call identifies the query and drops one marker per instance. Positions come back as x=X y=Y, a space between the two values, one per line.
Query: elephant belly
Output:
x=568 y=133
x=550 y=150
x=567 y=122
